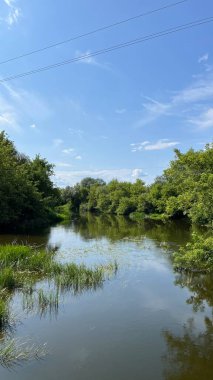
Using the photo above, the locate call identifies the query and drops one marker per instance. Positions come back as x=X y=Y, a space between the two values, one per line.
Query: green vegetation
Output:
x=196 y=256
x=29 y=198
x=183 y=191
x=27 y=193
x=13 y=352
x=22 y=268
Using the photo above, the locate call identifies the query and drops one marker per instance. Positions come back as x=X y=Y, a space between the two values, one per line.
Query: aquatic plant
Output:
x=14 y=351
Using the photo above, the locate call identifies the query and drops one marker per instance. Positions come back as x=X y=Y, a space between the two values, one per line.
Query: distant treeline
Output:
x=185 y=190
x=28 y=197
x=27 y=194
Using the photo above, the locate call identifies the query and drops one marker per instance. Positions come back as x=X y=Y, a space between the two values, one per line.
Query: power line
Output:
x=94 y=31
x=112 y=48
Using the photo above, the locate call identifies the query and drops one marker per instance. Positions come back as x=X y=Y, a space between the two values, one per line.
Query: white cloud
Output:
x=203 y=58
x=33 y=126
x=68 y=150
x=139 y=146
x=137 y=173
x=78 y=157
x=205 y=120
x=200 y=90
x=14 y=12
x=64 y=178
x=57 y=142
x=159 y=145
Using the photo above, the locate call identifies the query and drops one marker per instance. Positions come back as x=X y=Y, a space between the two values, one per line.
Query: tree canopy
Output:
x=27 y=193
x=183 y=190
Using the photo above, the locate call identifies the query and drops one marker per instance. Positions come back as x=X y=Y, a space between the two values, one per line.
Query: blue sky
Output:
x=120 y=114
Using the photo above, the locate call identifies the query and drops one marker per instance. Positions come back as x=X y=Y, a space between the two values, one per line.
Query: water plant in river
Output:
x=14 y=351
x=4 y=313
x=29 y=271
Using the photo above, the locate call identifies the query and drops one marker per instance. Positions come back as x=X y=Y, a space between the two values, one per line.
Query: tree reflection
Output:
x=201 y=287
x=190 y=356
x=114 y=228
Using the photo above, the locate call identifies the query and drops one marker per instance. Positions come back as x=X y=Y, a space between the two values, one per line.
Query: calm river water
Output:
x=145 y=323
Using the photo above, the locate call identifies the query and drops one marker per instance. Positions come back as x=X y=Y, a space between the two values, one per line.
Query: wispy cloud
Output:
x=76 y=132
x=155 y=107
x=187 y=103
x=57 y=142
x=68 y=150
x=205 y=120
x=8 y=120
x=14 y=12
x=64 y=178
x=120 y=111
x=159 y=145
x=203 y=58
x=139 y=146
x=88 y=60
x=20 y=108
x=78 y=157
x=33 y=126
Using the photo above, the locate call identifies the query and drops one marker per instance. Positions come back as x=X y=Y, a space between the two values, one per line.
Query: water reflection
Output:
x=190 y=355
x=201 y=287
x=116 y=332
x=115 y=228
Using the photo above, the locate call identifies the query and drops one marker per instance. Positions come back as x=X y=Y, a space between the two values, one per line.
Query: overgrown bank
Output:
x=195 y=256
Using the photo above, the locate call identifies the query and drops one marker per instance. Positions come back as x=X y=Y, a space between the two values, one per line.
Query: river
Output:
x=145 y=322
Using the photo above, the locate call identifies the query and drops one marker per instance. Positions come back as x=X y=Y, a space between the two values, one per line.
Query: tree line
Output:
x=28 y=197
x=184 y=190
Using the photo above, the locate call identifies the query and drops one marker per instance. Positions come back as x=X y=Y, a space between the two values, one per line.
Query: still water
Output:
x=145 y=322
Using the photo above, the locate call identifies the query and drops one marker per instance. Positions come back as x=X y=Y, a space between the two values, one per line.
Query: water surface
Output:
x=145 y=322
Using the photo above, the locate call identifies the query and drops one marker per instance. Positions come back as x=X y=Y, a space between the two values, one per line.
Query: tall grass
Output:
x=13 y=352
x=4 y=313
x=22 y=268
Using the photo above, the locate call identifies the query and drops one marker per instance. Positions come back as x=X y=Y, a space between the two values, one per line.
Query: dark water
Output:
x=146 y=322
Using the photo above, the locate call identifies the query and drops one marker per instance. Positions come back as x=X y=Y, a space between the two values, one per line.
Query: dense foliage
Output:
x=184 y=190
x=27 y=194
x=196 y=255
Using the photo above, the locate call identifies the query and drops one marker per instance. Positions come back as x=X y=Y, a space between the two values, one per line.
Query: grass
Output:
x=22 y=268
x=14 y=352
x=4 y=313
x=196 y=256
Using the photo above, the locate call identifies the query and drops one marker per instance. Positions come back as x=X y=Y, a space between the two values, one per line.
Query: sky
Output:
x=116 y=115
